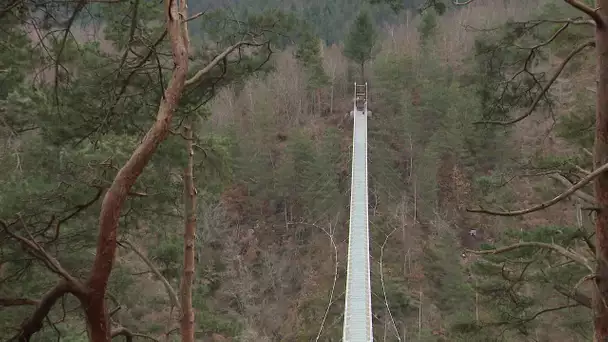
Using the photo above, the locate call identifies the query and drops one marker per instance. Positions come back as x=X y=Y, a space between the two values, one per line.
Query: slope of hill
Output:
x=329 y=19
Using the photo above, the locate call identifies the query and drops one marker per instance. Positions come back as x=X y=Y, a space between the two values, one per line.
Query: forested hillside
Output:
x=182 y=173
x=329 y=19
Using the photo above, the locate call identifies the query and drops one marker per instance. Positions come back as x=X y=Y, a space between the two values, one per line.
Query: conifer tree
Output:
x=308 y=54
x=359 y=43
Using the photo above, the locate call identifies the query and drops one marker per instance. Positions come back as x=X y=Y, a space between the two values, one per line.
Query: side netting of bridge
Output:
x=357 y=310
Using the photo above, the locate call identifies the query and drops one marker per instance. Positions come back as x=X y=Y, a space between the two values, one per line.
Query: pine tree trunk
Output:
x=601 y=183
x=187 y=319
x=96 y=311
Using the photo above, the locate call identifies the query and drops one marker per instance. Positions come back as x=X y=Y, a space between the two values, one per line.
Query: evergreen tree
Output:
x=428 y=27
x=360 y=41
x=308 y=53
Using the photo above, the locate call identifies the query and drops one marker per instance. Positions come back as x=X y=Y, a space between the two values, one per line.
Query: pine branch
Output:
x=204 y=71
x=576 y=187
x=579 y=193
x=545 y=89
x=591 y=12
x=559 y=249
x=170 y=291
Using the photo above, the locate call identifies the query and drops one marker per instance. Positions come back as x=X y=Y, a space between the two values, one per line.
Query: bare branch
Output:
x=545 y=89
x=573 y=21
x=77 y=210
x=33 y=248
x=114 y=311
x=17 y=301
x=583 y=280
x=534 y=23
x=130 y=194
x=34 y=323
x=122 y=331
x=548 y=41
x=575 y=295
x=544 y=311
x=79 y=7
x=551 y=202
x=199 y=75
x=591 y=12
x=580 y=169
x=14 y=3
x=170 y=291
x=579 y=193
x=559 y=249
x=131 y=36
x=195 y=16
x=455 y=2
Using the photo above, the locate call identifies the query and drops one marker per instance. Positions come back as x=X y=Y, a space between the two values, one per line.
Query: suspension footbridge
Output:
x=357 y=310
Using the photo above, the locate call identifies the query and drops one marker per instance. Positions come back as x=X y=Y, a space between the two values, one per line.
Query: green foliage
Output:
x=428 y=107
x=168 y=255
x=429 y=112
x=493 y=189
x=444 y=271
x=15 y=59
x=328 y=19
x=520 y=283
x=578 y=127
x=360 y=41
x=308 y=53
x=511 y=75
x=427 y=115
x=275 y=25
x=63 y=140
x=555 y=162
x=209 y=320
x=306 y=177
x=428 y=26
x=494 y=58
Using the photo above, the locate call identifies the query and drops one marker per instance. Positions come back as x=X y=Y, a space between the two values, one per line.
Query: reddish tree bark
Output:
x=17 y=301
x=187 y=319
x=34 y=323
x=600 y=157
x=95 y=308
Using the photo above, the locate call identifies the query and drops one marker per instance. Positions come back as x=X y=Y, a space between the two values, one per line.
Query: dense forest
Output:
x=174 y=171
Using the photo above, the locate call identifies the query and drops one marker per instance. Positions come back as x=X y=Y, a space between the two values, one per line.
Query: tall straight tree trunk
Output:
x=600 y=156
x=187 y=319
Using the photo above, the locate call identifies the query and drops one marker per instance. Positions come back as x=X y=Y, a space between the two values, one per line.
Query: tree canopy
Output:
x=359 y=43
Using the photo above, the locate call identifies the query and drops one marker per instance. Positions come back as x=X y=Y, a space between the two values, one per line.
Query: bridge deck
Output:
x=357 y=314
